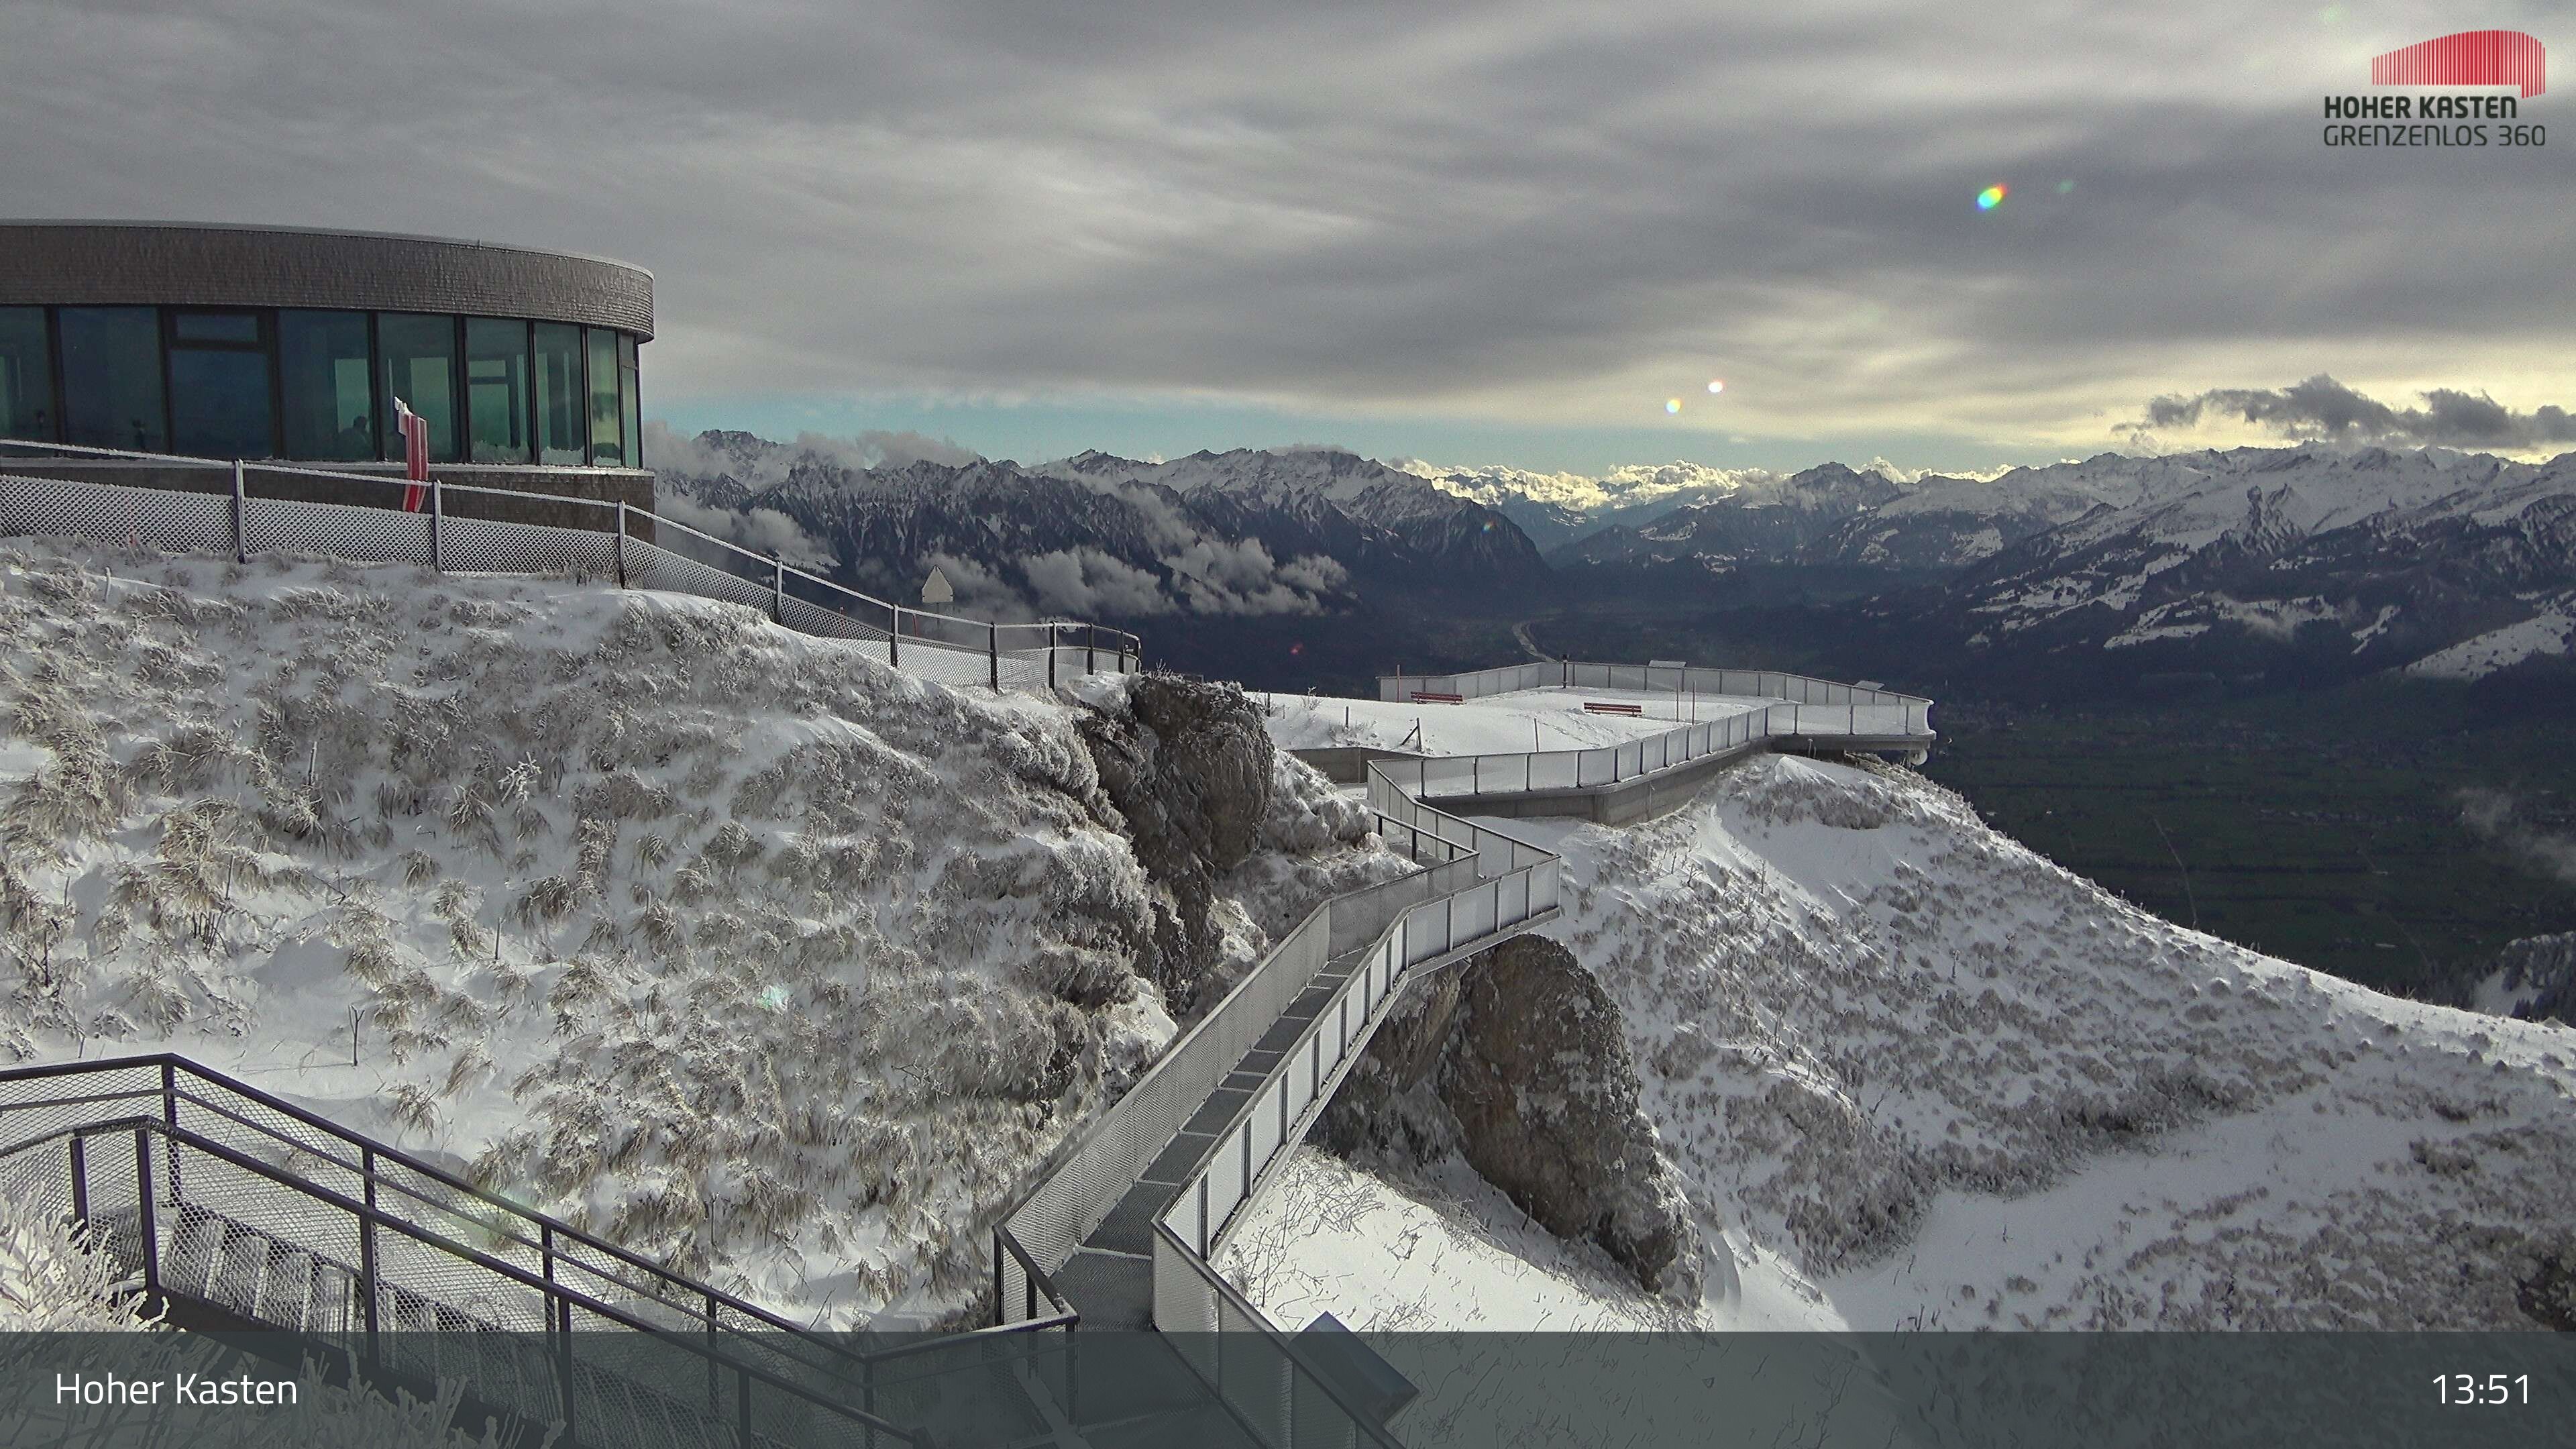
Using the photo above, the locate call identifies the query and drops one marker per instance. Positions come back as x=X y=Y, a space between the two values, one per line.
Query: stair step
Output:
x=286 y=1296
x=188 y=1260
x=335 y=1291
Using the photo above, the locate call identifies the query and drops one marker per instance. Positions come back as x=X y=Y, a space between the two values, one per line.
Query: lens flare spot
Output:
x=1716 y=385
x=2066 y=188
x=1672 y=405
x=1993 y=196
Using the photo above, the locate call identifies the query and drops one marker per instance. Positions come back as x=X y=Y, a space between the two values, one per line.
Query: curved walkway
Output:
x=1123 y=1226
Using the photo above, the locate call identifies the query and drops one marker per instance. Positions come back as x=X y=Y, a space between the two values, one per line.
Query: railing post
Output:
x=170 y=1114
x=1050 y=648
x=715 y=1373
x=777 y=588
x=742 y=1404
x=80 y=1177
x=893 y=657
x=993 y=653
x=143 y=1197
x=621 y=543
x=367 y=1249
x=1091 y=649
x=241 y=540
x=437 y=518
x=559 y=1318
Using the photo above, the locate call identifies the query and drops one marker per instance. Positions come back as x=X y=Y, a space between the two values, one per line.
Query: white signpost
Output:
x=936 y=591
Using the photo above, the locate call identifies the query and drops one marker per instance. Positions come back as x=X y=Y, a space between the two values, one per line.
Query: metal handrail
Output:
x=368 y=1213
x=1721 y=742
x=171 y=1063
x=1564 y=668
x=1360 y=1420
x=1134 y=644
x=1178 y=1052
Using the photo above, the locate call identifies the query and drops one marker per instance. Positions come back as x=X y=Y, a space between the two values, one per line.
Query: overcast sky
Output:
x=1477 y=234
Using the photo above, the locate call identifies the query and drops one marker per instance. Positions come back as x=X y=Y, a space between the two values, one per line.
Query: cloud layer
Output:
x=2322 y=408
x=1556 y=215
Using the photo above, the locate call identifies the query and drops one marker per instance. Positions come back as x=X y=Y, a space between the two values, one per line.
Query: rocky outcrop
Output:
x=1189 y=769
x=1545 y=1095
x=1518 y=1063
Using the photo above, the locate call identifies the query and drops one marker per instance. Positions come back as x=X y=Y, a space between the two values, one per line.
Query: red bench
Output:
x=1421 y=696
x=1595 y=706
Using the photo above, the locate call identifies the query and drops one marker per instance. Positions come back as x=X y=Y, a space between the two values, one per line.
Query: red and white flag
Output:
x=415 y=436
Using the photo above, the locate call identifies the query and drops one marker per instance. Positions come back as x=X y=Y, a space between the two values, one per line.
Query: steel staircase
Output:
x=236 y=1211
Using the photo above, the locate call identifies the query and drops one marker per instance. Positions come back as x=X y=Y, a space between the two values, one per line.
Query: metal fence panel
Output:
x=113 y=514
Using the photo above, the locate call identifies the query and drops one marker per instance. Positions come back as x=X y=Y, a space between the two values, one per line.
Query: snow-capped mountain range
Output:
x=2440 y=563
x=2447 y=564
x=1244 y=532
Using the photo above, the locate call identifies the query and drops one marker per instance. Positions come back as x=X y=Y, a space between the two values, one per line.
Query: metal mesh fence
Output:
x=453 y=527
x=487 y=546
x=112 y=514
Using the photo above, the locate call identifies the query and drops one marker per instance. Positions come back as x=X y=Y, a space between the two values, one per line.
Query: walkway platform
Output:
x=1111 y=1276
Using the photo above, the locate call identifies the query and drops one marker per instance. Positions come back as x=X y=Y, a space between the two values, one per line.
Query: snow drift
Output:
x=1923 y=1077
x=728 y=943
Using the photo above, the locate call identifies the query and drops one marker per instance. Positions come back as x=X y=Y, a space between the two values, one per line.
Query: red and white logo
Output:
x=2470 y=58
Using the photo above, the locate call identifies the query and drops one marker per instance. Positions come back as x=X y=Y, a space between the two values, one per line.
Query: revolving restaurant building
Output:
x=275 y=342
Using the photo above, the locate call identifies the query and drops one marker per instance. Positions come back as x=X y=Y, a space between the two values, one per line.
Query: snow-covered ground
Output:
x=1521 y=721
x=722 y=940
x=1922 y=1077
x=2541 y=636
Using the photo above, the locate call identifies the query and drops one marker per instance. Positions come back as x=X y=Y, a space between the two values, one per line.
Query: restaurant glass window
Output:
x=26 y=376
x=112 y=378
x=496 y=390
x=606 y=417
x=419 y=360
x=633 y=395
x=328 y=391
x=559 y=393
x=219 y=385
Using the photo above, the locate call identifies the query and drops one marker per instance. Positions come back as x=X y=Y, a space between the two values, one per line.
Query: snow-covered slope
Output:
x=724 y=941
x=1922 y=1077
x=2394 y=558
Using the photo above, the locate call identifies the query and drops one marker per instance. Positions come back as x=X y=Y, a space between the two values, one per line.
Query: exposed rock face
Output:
x=1189 y=769
x=1546 y=1101
x=1518 y=1062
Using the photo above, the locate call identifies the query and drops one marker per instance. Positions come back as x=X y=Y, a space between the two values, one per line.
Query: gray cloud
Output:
x=2323 y=408
x=1085 y=582
x=1525 y=211
x=762 y=530
x=2495 y=817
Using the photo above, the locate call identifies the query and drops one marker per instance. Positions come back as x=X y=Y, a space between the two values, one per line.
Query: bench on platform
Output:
x=1425 y=696
x=1595 y=706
